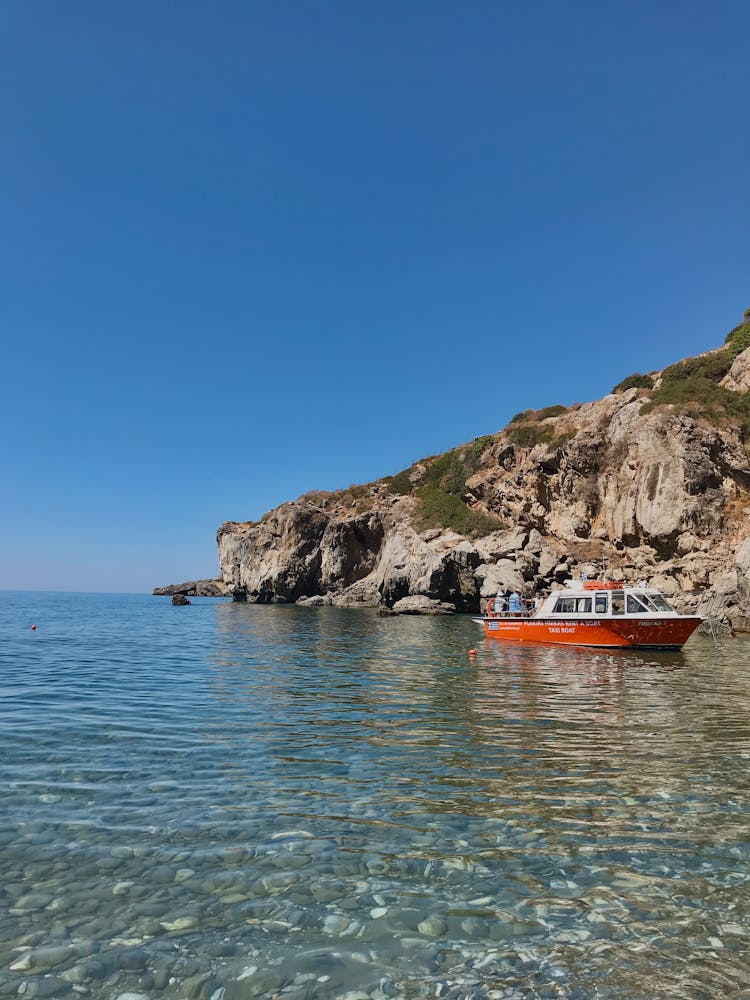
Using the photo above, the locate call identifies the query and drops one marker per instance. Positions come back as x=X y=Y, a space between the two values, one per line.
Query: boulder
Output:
x=421 y=605
x=666 y=584
x=363 y=594
x=502 y=544
x=179 y=600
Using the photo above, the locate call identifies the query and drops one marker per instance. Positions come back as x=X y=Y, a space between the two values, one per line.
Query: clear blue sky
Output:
x=252 y=249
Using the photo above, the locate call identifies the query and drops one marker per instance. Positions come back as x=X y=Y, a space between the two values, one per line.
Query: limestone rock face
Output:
x=277 y=560
x=610 y=487
x=502 y=576
x=666 y=482
x=742 y=563
x=348 y=549
x=304 y=552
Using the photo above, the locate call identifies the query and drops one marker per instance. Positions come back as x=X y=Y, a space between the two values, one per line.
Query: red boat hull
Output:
x=660 y=633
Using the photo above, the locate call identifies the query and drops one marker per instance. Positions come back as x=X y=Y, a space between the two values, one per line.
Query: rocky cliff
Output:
x=652 y=482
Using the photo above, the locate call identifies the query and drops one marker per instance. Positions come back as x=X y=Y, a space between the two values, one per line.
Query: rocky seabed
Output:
x=304 y=916
x=275 y=802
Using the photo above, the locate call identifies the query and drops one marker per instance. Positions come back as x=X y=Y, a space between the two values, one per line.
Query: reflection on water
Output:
x=231 y=801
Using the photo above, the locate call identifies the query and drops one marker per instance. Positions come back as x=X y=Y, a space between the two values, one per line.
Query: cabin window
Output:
x=618 y=602
x=600 y=604
x=634 y=606
x=573 y=605
x=565 y=606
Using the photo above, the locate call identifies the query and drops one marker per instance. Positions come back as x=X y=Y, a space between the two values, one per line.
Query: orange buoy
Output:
x=33 y=627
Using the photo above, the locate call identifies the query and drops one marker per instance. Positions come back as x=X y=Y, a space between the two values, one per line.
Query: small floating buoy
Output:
x=33 y=627
x=472 y=652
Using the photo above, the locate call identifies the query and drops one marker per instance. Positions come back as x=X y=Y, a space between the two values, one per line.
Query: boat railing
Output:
x=528 y=612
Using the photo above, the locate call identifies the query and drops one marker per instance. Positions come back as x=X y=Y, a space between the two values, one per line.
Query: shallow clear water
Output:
x=230 y=801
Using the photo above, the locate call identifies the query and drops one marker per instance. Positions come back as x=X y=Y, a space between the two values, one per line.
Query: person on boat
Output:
x=538 y=602
x=515 y=605
x=501 y=602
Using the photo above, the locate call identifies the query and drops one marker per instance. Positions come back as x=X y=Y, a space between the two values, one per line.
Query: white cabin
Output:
x=596 y=599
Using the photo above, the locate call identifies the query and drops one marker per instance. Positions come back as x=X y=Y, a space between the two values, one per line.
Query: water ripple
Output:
x=229 y=801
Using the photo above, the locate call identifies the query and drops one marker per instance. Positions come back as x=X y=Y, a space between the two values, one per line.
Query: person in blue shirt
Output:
x=515 y=605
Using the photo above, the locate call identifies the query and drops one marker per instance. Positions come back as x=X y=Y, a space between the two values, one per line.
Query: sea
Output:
x=226 y=801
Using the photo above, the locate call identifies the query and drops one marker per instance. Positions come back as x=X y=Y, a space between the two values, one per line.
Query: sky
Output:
x=254 y=249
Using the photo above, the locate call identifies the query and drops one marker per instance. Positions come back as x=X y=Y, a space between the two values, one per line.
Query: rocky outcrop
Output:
x=310 y=553
x=737 y=378
x=194 y=588
x=622 y=487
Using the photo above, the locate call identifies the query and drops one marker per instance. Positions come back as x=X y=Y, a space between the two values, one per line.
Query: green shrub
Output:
x=738 y=340
x=523 y=415
x=528 y=435
x=635 y=381
x=447 y=474
x=693 y=386
x=701 y=395
x=400 y=483
x=550 y=411
x=439 y=491
x=440 y=509
x=709 y=368
x=356 y=491
x=451 y=470
x=537 y=415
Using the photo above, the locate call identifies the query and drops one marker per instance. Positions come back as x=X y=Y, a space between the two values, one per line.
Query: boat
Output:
x=607 y=614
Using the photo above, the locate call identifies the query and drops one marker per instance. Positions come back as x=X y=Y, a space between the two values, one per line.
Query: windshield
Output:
x=659 y=603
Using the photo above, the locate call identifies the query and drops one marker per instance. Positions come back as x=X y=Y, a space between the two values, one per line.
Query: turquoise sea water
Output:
x=227 y=801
